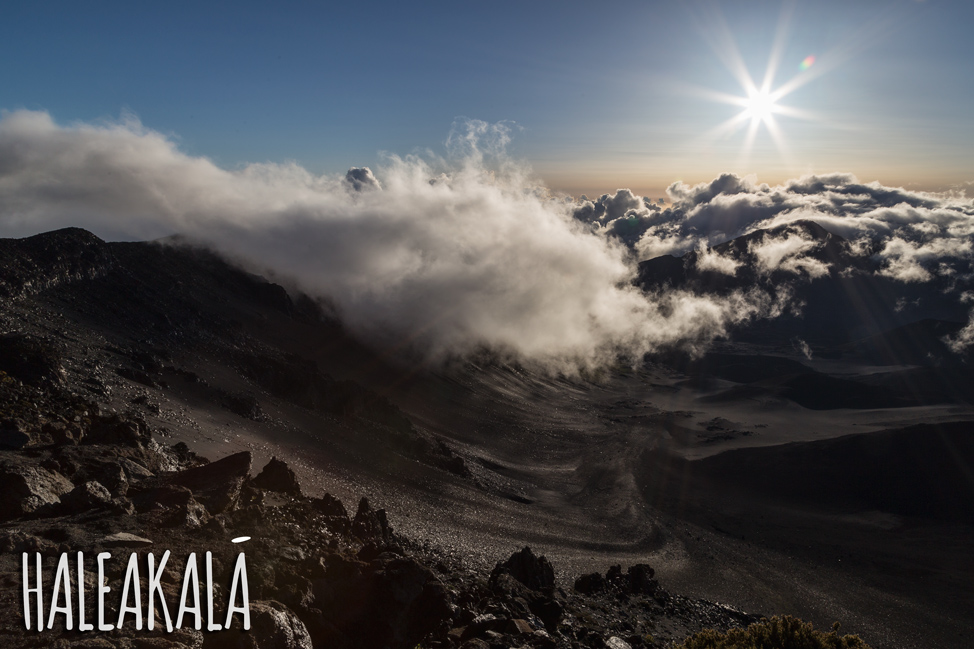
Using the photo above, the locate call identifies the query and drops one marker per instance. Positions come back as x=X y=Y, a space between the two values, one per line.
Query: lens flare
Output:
x=807 y=63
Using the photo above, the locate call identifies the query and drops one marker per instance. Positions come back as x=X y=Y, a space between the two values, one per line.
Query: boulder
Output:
x=217 y=484
x=124 y=540
x=389 y=602
x=90 y=495
x=336 y=517
x=330 y=506
x=641 y=580
x=26 y=488
x=615 y=642
x=637 y=580
x=62 y=434
x=481 y=624
x=275 y=627
x=549 y=610
x=534 y=572
x=591 y=584
x=519 y=626
x=278 y=476
x=529 y=578
x=409 y=601
x=369 y=525
x=177 y=505
x=272 y=626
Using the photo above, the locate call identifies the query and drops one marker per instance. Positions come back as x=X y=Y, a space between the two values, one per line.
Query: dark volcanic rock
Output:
x=89 y=495
x=331 y=506
x=534 y=572
x=14 y=435
x=272 y=626
x=217 y=485
x=641 y=579
x=637 y=580
x=32 y=360
x=336 y=516
x=40 y=262
x=389 y=602
x=117 y=429
x=278 y=476
x=527 y=579
x=245 y=405
x=26 y=488
x=413 y=601
x=591 y=584
x=369 y=525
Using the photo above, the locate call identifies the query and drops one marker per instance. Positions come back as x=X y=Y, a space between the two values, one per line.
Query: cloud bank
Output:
x=451 y=255
x=909 y=237
x=445 y=256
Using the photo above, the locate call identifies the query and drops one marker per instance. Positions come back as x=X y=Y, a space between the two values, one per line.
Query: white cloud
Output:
x=786 y=253
x=481 y=256
x=469 y=251
x=908 y=261
x=964 y=338
x=710 y=259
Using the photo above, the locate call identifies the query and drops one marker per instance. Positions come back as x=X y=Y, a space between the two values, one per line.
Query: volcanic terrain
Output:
x=814 y=465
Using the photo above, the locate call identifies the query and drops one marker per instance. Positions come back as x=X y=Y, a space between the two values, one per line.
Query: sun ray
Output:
x=778 y=47
x=760 y=105
x=726 y=128
x=752 y=132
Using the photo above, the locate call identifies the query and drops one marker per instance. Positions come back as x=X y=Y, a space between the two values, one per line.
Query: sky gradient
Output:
x=623 y=94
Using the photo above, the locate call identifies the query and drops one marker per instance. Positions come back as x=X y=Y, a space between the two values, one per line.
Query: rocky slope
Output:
x=123 y=363
x=85 y=465
x=78 y=478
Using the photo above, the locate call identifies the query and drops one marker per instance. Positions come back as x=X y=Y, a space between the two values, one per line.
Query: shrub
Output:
x=775 y=633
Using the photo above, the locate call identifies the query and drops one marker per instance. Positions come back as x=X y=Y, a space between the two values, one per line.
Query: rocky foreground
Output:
x=77 y=478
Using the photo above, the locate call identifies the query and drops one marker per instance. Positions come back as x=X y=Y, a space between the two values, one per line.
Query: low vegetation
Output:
x=775 y=633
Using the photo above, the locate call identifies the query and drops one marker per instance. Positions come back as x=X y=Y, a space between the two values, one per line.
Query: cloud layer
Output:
x=450 y=255
x=909 y=237
x=443 y=256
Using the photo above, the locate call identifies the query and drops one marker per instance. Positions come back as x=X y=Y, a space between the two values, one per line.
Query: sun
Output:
x=760 y=109
x=760 y=105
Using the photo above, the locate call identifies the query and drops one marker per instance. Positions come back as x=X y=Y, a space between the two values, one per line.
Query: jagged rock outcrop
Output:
x=217 y=485
x=45 y=260
x=529 y=580
x=372 y=525
x=534 y=572
x=278 y=476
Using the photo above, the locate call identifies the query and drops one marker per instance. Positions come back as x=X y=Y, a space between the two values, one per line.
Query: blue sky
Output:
x=617 y=94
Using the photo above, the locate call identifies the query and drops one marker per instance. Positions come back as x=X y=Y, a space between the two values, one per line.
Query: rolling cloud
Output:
x=910 y=237
x=450 y=255
x=445 y=256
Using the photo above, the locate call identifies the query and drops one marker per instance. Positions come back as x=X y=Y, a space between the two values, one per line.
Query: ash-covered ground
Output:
x=753 y=480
